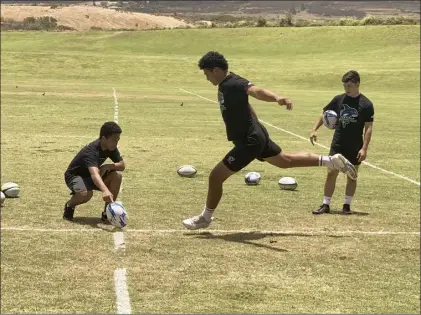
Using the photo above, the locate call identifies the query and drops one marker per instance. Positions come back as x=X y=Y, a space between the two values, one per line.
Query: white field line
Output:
x=115 y=106
x=120 y=279
x=320 y=145
x=119 y=243
x=309 y=232
x=122 y=293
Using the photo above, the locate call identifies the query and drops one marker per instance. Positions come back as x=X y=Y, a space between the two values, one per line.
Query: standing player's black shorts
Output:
x=256 y=146
x=347 y=152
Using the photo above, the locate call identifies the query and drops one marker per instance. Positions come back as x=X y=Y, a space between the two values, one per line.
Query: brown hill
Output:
x=83 y=18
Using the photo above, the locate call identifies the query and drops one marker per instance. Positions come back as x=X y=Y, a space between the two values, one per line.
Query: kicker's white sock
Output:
x=348 y=200
x=325 y=161
x=326 y=200
x=207 y=213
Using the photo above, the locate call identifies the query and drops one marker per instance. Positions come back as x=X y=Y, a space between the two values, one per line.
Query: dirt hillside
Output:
x=82 y=18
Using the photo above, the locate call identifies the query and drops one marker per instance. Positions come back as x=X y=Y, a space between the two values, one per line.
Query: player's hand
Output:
x=313 y=137
x=285 y=101
x=362 y=154
x=107 y=196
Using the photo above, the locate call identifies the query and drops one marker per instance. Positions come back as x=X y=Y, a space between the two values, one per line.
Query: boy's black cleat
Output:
x=324 y=208
x=68 y=212
x=346 y=209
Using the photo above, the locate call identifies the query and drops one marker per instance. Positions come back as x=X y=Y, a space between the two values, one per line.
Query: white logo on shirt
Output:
x=220 y=98
x=348 y=115
x=221 y=101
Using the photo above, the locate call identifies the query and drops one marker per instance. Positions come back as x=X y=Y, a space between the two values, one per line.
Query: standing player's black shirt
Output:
x=91 y=155
x=234 y=105
x=353 y=113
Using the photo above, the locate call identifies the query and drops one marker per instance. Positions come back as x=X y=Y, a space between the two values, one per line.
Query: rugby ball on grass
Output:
x=116 y=214
x=187 y=171
x=10 y=189
x=252 y=178
x=287 y=183
x=330 y=119
x=3 y=197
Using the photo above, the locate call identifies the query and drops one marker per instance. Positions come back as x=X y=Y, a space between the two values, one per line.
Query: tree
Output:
x=292 y=10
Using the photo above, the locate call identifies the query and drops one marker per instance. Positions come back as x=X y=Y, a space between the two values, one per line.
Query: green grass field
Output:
x=306 y=264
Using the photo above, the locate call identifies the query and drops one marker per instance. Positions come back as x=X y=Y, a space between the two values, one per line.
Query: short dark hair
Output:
x=212 y=60
x=352 y=76
x=108 y=129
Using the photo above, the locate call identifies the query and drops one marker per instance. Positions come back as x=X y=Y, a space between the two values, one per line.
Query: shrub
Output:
x=261 y=22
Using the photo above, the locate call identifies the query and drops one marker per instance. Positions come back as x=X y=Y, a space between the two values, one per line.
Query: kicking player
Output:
x=250 y=138
x=356 y=114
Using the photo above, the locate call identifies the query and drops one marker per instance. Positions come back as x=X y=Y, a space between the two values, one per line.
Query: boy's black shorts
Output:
x=256 y=146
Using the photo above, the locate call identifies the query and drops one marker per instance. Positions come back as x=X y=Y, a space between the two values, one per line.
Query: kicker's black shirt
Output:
x=234 y=105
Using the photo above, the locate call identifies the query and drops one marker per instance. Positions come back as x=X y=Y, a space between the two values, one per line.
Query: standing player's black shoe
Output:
x=68 y=212
x=324 y=208
x=346 y=209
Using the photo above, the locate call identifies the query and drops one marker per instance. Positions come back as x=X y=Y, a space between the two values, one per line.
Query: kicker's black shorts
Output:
x=348 y=153
x=256 y=146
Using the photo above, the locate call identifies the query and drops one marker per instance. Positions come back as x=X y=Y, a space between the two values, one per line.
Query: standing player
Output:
x=356 y=113
x=86 y=172
x=250 y=138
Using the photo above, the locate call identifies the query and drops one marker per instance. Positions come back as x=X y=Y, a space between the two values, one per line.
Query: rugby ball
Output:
x=330 y=119
x=116 y=214
x=3 y=197
x=287 y=183
x=252 y=178
x=186 y=171
x=10 y=189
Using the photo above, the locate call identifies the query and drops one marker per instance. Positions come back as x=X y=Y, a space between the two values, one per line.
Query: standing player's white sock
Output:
x=348 y=200
x=207 y=213
x=326 y=200
x=325 y=161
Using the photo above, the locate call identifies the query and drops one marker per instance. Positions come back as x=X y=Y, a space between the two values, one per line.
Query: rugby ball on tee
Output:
x=330 y=119
x=10 y=189
x=116 y=214
x=3 y=197
x=252 y=178
x=287 y=183
x=187 y=171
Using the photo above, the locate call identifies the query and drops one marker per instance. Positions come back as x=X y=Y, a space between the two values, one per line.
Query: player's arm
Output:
x=368 y=130
x=117 y=165
x=268 y=96
x=97 y=179
x=317 y=124
x=319 y=120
